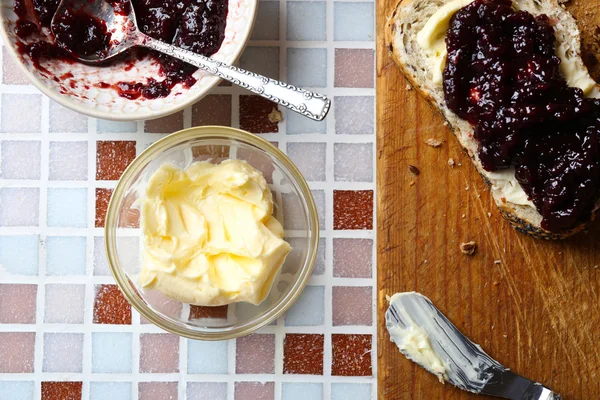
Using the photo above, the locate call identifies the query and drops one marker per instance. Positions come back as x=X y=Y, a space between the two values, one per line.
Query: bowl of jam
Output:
x=139 y=84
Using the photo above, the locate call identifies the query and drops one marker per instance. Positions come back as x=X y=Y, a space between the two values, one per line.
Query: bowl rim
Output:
x=131 y=172
x=66 y=101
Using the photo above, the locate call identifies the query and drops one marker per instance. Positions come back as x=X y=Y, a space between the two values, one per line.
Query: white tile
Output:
x=21 y=113
x=353 y=162
x=20 y=159
x=64 y=120
x=65 y=304
x=354 y=115
x=68 y=161
x=310 y=158
x=63 y=352
x=19 y=206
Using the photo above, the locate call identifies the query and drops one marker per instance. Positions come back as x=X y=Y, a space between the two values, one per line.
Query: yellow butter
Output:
x=209 y=237
x=575 y=74
x=432 y=37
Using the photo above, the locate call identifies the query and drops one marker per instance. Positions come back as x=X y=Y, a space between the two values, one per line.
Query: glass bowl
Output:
x=294 y=208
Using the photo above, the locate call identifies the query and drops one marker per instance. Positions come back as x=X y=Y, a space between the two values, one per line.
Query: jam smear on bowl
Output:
x=502 y=75
x=195 y=25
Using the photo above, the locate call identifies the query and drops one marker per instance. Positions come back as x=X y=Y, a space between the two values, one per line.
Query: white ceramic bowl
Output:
x=85 y=97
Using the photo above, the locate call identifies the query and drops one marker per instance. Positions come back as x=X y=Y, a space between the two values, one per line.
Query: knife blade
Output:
x=426 y=336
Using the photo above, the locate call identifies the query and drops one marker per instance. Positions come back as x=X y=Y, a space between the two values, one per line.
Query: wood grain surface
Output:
x=533 y=305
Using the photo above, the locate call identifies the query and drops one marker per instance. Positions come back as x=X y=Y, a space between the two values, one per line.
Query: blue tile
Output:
x=111 y=352
x=307 y=67
x=350 y=391
x=353 y=21
x=207 y=357
x=16 y=390
x=309 y=309
x=206 y=391
x=262 y=60
x=306 y=20
x=267 y=21
x=302 y=391
x=67 y=207
x=19 y=254
x=66 y=255
x=110 y=391
x=105 y=126
x=297 y=123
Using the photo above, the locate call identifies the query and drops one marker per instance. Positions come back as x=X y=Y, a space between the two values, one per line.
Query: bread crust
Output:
x=524 y=219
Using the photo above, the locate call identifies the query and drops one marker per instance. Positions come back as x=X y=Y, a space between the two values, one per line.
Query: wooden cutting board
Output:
x=536 y=310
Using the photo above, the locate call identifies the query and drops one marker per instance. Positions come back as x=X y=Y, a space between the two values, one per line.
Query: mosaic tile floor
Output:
x=66 y=332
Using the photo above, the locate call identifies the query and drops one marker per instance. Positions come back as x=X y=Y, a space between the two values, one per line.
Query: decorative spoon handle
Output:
x=310 y=104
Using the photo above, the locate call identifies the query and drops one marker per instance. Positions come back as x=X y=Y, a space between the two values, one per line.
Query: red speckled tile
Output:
x=254 y=114
x=352 y=305
x=112 y=157
x=351 y=355
x=255 y=354
x=16 y=352
x=157 y=391
x=110 y=306
x=353 y=258
x=159 y=352
x=198 y=312
x=352 y=209
x=17 y=304
x=354 y=68
x=254 y=391
x=303 y=354
x=102 y=199
x=214 y=109
x=168 y=124
x=61 y=390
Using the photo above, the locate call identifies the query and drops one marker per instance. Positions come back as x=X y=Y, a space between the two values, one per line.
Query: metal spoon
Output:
x=125 y=34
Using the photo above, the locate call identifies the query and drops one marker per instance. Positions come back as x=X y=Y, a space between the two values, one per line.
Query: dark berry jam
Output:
x=502 y=75
x=195 y=25
x=81 y=34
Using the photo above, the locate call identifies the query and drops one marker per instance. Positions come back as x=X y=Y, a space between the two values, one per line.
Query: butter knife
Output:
x=424 y=335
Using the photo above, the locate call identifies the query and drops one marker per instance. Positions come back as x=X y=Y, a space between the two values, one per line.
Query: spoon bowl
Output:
x=118 y=24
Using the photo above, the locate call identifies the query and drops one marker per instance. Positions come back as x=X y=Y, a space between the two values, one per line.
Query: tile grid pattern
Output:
x=324 y=347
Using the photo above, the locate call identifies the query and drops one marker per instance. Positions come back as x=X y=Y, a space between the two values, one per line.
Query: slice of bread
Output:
x=401 y=31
